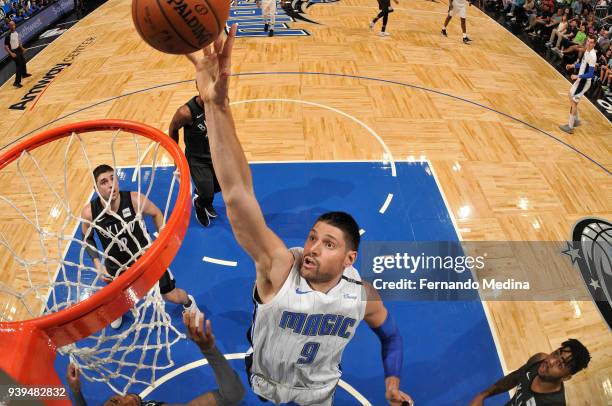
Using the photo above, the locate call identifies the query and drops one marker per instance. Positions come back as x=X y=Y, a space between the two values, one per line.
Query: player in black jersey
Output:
x=122 y=235
x=191 y=117
x=230 y=388
x=540 y=381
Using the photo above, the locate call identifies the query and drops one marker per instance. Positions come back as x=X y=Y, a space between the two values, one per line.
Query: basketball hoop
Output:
x=30 y=346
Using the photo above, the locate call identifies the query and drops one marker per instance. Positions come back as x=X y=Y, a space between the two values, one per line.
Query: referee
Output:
x=13 y=47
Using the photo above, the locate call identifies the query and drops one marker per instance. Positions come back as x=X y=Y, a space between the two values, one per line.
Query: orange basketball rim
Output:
x=29 y=347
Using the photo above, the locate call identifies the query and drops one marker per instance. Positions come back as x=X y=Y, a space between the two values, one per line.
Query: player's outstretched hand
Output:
x=213 y=68
x=73 y=376
x=203 y=337
x=396 y=397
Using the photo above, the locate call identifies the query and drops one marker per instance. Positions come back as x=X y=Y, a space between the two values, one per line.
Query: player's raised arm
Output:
x=213 y=69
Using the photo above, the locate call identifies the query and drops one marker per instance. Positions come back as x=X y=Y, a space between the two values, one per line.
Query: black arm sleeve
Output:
x=231 y=390
x=79 y=400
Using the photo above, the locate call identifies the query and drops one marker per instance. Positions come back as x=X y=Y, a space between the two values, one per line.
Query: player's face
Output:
x=590 y=44
x=107 y=183
x=555 y=366
x=131 y=399
x=326 y=254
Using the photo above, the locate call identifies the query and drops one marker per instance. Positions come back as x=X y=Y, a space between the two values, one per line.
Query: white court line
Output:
x=342 y=113
x=383 y=209
x=68 y=22
x=484 y=304
x=192 y=365
x=36 y=46
x=219 y=261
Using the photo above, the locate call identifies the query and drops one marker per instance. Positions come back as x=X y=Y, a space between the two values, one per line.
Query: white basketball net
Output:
x=46 y=282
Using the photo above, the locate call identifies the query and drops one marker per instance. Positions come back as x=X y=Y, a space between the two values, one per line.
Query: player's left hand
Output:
x=396 y=397
x=213 y=68
x=574 y=77
x=203 y=337
x=73 y=378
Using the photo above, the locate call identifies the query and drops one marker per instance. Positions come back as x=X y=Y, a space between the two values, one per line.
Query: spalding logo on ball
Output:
x=179 y=26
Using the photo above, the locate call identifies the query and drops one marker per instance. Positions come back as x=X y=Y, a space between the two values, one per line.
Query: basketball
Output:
x=179 y=26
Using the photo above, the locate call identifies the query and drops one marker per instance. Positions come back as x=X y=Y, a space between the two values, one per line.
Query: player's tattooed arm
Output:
x=181 y=118
x=507 y=382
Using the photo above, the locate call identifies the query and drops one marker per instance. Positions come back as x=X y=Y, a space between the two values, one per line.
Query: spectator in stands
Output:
x=552 y=24
x=590 y=29
x=544 y=22
x=581 y=17
x=566 y=39
x=543 y=13
x=5 y=23
x=577 y=44
x=13 y=10
x=577 y=7
x=13 y=47
x=586 y=5
x=605 y=71
x=512 y=5
x=550 y=4
x=557 y=33
x=529 y=10
x=603 y=41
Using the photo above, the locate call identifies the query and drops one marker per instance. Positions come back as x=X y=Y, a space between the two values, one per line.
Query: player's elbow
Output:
x=235 y=198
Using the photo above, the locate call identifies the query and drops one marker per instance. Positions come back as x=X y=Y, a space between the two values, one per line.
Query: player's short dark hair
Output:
x=344 y=222
x=100 y=169
x=580 y=355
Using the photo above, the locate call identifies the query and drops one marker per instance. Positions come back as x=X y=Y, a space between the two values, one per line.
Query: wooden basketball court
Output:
x=485 y=116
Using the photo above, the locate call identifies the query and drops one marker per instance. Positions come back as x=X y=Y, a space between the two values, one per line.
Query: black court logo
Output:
x=591 y=250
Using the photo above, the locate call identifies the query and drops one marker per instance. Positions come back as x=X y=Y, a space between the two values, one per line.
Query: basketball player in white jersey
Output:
x=268 y=11
x=586 y=72
x=457 y=8
x=308 y=300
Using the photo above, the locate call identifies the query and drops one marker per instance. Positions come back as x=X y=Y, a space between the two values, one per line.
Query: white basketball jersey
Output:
x=298 y=337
